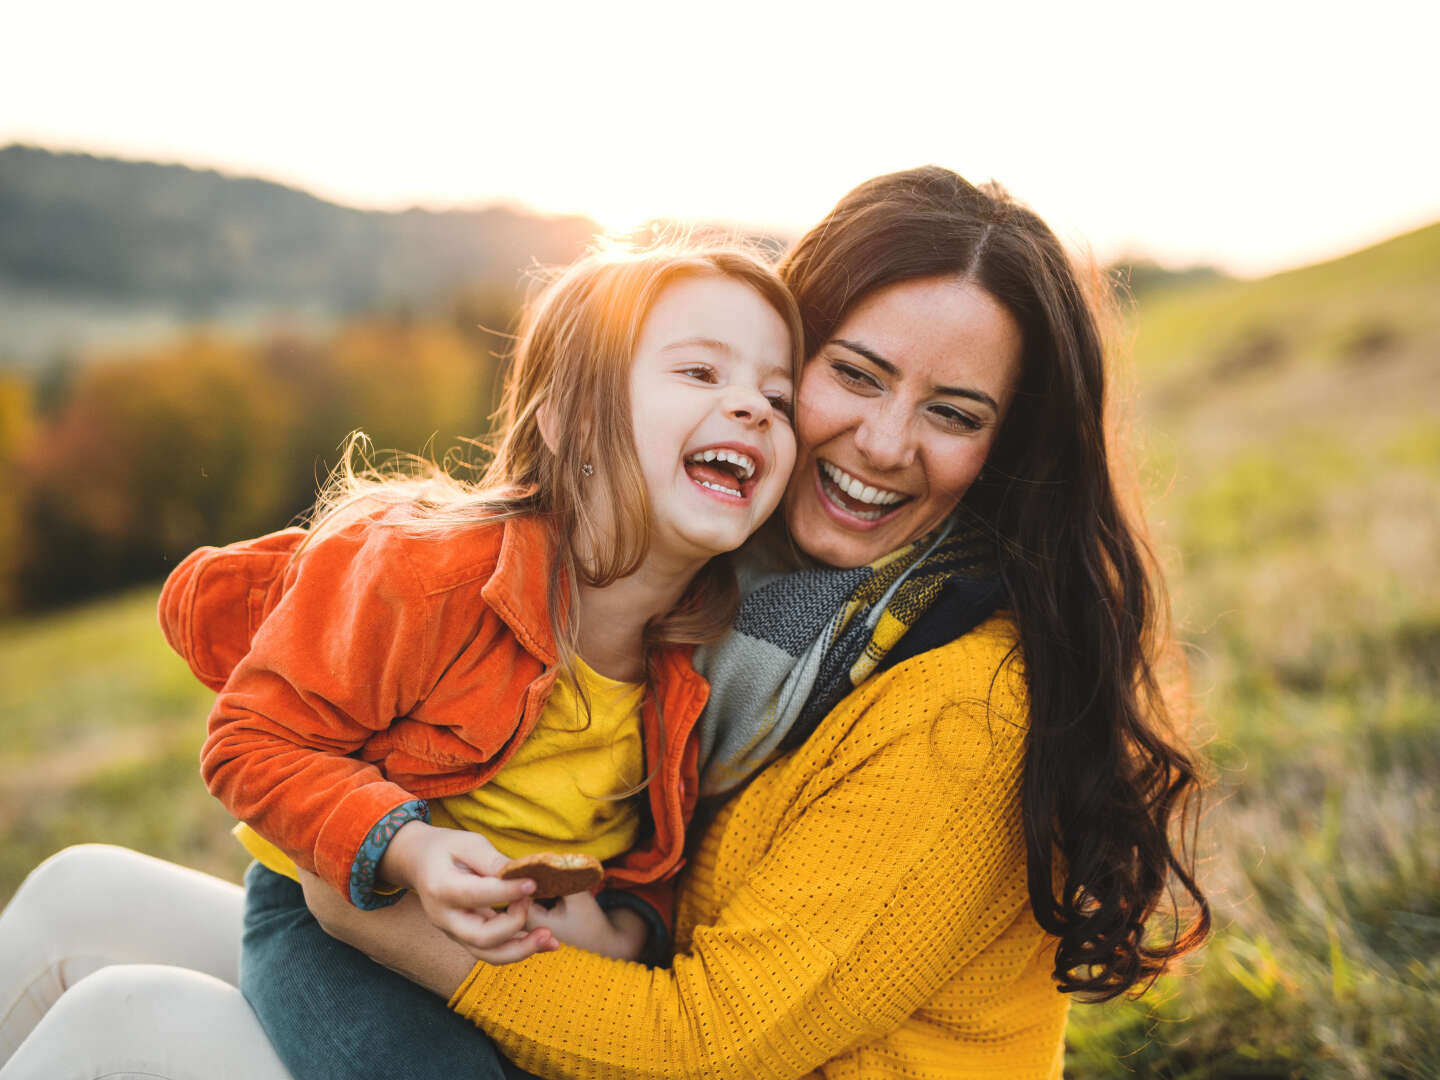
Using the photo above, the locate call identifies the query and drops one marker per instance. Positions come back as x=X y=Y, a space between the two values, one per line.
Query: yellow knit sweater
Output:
x=859 y=910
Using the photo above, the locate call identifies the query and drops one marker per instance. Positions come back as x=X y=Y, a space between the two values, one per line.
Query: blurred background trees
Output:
x=151 y=453
x=182 y=353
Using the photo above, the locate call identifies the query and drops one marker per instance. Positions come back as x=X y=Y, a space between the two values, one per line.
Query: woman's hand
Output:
x=452 y=873
x=400 y=937
x=580 y=921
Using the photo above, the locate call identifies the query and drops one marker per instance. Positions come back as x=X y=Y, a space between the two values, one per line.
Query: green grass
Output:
x=1292 y=461
x=1348 y=309
x=103 y=726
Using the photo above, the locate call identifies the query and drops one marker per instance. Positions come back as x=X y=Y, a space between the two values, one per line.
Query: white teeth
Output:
x=734 y=457
x=717 y=487
x=859 y=490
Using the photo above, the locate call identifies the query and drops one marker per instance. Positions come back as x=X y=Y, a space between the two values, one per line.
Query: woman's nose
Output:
x=883 y=437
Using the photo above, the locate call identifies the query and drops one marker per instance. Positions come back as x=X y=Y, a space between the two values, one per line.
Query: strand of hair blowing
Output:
x=1105 y=781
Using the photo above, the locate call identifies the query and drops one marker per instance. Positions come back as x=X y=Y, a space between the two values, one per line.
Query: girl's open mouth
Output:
x=724 y=471
x=854 y=498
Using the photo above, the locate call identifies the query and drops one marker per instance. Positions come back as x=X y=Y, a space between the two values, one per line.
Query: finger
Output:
x=540 y=915
x=519 y=948
x=481 y=932
x=475 y=853
x=473 y=892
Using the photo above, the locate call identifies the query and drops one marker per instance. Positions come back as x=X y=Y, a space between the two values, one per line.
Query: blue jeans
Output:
x=331 y=1011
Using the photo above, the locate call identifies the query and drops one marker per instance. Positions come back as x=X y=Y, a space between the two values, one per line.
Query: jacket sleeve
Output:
x=900 y=860
x=342 y=654
x=214 y=600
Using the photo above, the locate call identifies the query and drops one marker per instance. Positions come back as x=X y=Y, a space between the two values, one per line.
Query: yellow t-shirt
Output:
x=557 y=793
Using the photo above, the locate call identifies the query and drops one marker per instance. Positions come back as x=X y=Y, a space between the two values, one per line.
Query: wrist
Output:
x=631 y=931
x=397 y=867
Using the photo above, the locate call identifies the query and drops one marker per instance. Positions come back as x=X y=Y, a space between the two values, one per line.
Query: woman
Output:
x=934 y=862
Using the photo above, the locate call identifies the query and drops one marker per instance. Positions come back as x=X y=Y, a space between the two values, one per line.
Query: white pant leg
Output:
x=147 y=1022
x=94 y=905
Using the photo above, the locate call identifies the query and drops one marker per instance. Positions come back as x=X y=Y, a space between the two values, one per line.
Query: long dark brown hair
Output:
x=1107 y=786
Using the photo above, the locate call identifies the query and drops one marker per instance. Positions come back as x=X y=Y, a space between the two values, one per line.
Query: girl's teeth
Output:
x=739 y=460
x=717 y=487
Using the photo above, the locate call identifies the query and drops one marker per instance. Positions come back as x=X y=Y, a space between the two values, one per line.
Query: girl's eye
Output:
x=956 y=419
x=781 y=403
x=702 y=372
x=853 y=376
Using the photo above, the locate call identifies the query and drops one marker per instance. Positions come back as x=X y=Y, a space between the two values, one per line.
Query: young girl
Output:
x=510 y=660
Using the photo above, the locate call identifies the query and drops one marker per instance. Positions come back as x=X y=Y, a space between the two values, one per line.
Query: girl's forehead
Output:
x=714 y=313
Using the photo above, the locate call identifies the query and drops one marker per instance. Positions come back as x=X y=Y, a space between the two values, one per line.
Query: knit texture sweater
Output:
x=859 y=910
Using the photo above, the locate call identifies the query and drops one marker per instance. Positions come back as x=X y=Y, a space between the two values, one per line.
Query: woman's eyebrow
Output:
x=890 y=369
x=869 y=354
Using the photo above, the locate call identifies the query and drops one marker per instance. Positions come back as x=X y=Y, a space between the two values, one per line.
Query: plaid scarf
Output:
x=805 y=638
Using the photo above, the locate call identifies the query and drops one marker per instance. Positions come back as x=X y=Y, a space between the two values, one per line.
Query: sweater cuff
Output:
x=364 y=893
x=656 y=953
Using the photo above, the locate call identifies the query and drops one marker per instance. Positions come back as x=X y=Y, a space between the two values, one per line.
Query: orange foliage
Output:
x=207 y=441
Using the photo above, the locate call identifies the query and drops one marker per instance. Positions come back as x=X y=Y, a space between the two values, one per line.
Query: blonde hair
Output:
x=571 y=360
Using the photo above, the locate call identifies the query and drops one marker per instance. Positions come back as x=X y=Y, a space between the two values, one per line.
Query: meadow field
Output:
x=1287 y=439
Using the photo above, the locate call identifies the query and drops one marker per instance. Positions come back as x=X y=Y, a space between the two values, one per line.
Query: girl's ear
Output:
x=545 y=420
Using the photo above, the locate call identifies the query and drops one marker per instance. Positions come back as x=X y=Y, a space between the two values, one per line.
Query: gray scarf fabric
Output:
x=805 y=638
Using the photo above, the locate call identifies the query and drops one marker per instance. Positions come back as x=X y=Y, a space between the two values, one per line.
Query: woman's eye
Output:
x=702 y=372
x=853 y=376
x=956 y=419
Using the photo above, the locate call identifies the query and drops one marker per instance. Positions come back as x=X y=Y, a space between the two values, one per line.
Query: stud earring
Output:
x=587 y=469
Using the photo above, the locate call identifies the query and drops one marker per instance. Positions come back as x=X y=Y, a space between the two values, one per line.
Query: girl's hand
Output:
x=451 y=873
x=580 y=921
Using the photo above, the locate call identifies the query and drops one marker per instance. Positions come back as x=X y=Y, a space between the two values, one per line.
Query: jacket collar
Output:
x=519 y=588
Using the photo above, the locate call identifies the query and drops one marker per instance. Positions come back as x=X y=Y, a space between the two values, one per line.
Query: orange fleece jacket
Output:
x=377 y=666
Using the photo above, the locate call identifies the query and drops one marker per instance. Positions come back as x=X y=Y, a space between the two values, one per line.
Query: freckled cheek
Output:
x=954 y=473
x=785 y=445
x=818 y=418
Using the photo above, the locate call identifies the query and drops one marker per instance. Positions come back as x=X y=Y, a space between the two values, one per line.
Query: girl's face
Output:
x=896 y=414
x=710 y=401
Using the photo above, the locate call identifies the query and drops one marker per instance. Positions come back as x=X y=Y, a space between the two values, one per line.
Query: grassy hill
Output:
x=1291 y=463
x=1289 y=450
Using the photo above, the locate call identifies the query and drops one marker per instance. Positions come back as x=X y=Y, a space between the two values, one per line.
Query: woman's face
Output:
x=895 y=415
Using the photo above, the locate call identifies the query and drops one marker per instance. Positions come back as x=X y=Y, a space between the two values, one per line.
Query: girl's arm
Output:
x=901 y=859
x=355 y=641
x=338 y=658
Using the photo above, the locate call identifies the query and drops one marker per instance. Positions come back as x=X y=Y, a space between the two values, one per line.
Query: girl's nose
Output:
x=749 y=406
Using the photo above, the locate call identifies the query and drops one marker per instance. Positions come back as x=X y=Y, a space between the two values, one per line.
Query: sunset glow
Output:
x=1251 y=136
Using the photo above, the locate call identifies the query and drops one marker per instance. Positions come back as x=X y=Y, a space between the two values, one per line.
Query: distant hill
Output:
x=104 y=249
x=1351 y=308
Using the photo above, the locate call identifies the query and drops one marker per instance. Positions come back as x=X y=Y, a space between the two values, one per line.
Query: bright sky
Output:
x=1255 y=135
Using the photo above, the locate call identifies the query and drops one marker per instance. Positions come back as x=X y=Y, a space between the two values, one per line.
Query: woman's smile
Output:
x=849 y=497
